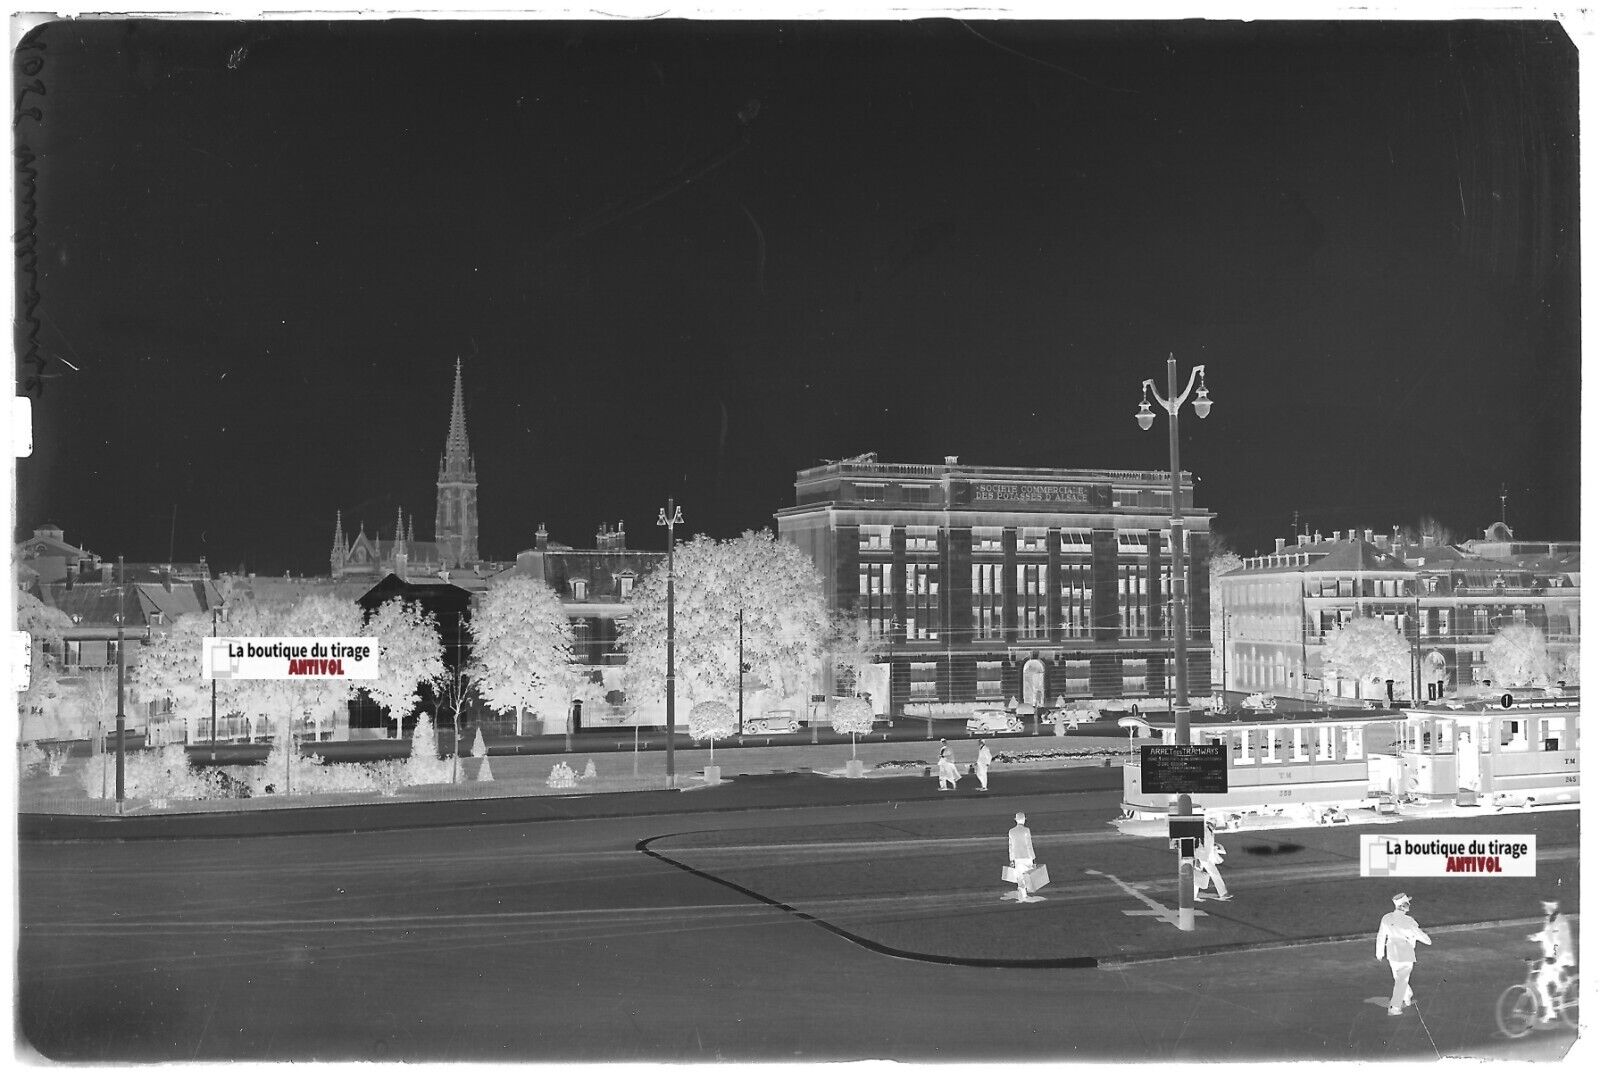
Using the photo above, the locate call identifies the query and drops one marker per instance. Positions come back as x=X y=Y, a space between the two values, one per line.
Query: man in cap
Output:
x=1555 y=939
x=1022 y=856
x=1398 y=936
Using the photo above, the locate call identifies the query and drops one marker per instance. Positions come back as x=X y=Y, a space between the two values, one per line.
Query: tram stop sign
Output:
x=1183 y=769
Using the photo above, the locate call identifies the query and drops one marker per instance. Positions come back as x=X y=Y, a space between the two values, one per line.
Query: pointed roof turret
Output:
x=457 y=459
x=339 y=545
x=399 y=532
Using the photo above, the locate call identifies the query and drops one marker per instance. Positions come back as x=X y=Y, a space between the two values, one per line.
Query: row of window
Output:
x=1029 y=540
x=1073 y=674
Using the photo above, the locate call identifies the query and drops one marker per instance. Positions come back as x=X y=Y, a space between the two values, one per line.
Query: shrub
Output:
x=55 y=760
x=30 y=757
x=424 y=765
x=562 y=777
x=588 y=770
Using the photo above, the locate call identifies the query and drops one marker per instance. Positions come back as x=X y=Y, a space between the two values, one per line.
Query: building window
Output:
x=1030 y=600
x=869 y=492
x=111 y=652
x=1133 y=597
x=1031 y=539
x=72 y=657
x=1132 y=542
x=923 y=683
x=580 y=590
x=877 y=599
x=1133 y=677
x=989 y=681
x=986 y=538
x=1076 y=599
x=1074 y=540
x=986 y=598
x=918 y=538
x=874 y=537
x=922 y=601
x=625 y=584
x=1075 y=678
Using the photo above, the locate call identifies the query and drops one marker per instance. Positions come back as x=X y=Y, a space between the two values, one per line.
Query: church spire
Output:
x=340 y=548
x=457 y=462
x=455 y=520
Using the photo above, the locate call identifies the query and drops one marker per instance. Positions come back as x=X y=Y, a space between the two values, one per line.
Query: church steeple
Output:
x=455 y=524
x=340 y=548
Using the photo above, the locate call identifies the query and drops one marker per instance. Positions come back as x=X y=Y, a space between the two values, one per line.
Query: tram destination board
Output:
x=1183 y=769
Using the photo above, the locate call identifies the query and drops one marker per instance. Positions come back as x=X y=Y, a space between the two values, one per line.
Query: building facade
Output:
x=1448 y=602
x=987 y=584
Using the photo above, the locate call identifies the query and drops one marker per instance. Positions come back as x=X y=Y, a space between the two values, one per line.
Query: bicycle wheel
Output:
x=1569 y=1003
x=1516 y=1011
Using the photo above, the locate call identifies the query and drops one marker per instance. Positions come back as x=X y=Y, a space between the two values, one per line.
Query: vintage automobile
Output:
x=993 y=721
x=1261 y=701
x=773 y=722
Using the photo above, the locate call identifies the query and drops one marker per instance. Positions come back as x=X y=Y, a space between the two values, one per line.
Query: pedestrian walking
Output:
x=1207 y=858
x=948 y=776
x=1398 y=936
x=982 y=766
x=1022 y=870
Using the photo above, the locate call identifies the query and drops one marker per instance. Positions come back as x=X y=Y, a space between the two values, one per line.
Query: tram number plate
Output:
x=1183 y=769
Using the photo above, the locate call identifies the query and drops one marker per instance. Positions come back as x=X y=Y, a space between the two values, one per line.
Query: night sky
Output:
x=685 y=260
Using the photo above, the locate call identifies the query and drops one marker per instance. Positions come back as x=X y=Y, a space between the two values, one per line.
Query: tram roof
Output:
x=1341 y=717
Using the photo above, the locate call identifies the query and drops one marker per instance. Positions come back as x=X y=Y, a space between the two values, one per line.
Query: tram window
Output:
x=1552 y=744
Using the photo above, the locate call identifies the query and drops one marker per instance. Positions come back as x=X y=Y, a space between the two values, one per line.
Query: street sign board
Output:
x=1183 y=769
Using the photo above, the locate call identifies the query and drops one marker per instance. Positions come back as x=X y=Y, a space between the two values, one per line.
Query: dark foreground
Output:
x=766 y=933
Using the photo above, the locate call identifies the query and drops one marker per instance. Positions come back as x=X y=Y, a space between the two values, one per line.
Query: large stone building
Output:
x=1447 y=601
x=986 y=584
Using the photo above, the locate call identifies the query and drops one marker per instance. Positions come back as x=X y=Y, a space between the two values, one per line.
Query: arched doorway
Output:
x=1033 y=683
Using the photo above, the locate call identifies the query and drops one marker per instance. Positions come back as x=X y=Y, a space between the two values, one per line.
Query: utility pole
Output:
x=122 y=670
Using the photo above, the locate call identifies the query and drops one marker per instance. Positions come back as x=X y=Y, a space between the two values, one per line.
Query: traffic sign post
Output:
x=1183 y=769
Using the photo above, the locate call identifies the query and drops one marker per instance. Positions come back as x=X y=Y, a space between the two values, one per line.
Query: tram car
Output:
x=1514 y=749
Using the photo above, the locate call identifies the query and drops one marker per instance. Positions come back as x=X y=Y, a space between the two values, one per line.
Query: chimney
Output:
x=951 y=460
x=165 y=575
x=1279 y=549
x=1338 y=537
x=541 y=538
x=1319 y=537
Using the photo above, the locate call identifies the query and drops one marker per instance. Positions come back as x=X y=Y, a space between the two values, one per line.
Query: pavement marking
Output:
x=1155 y=909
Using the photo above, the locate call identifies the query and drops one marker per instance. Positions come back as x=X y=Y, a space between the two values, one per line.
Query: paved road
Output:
x=560 y=940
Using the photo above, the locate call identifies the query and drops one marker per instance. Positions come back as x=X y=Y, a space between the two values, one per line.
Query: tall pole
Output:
x=122 y=670
x=213 y=692
x=1180 y=595
x=741 y=671
x=671 y=516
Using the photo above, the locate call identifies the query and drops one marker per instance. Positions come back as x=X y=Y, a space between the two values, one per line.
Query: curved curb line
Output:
x=1082 y=962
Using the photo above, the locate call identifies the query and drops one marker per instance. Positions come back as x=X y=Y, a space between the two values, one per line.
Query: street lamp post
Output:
x=888 y=704
x=1172 y=404
x=122 y=670
x=741 y=671
x=669 y=518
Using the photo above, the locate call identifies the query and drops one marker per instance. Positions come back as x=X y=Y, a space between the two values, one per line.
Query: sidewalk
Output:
x=528 y=777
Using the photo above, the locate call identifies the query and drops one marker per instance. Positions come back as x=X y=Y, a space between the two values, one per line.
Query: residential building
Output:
x=1448 y=602
x=985 y=584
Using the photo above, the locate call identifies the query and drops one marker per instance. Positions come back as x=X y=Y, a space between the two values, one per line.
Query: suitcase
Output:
x=1033 y=878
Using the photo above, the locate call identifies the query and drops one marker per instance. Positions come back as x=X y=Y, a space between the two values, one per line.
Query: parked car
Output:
x=993 y=721
x=1261 y=701
x=774 y=722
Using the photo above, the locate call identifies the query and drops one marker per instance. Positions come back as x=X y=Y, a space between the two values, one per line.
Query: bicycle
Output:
x=1519 y=1010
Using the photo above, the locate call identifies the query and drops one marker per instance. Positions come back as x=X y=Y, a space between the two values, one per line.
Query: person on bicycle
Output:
x=1555 y=940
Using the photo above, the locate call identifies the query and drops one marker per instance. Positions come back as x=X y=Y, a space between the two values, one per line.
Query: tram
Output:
x=1510 y=750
